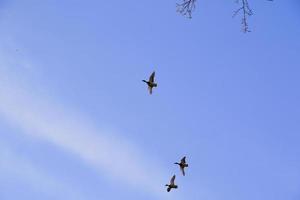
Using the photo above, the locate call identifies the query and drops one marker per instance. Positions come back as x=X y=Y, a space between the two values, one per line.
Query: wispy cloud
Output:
x=16 y=167
x=108 y=153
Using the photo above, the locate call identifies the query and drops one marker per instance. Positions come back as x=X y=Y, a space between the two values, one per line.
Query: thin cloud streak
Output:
x=113 y=156
x=13 y=166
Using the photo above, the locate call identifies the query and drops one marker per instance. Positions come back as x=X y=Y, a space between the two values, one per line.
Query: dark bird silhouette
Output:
x=182 y=165
x=172 y=184
x=151 y=84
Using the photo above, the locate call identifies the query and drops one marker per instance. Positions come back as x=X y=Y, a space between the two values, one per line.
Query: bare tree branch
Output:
x=246 y=12
x=186 y=7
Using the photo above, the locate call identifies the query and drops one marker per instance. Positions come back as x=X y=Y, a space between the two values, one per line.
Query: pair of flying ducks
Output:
x=182 y=165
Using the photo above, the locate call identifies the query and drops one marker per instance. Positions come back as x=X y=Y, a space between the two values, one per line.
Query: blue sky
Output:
x=77 y=122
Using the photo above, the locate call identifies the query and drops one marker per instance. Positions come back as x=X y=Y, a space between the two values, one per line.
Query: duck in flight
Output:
x=172 y=184
x=151 y=84
x=182 y=165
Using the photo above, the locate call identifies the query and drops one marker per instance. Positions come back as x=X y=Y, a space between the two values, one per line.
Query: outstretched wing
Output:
x=150 y=89
x=183 y=160
x=182 y=170
x=172 y=182
x=151 y=78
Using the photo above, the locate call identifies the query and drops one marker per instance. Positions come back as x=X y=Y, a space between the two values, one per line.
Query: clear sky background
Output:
x=77 y=122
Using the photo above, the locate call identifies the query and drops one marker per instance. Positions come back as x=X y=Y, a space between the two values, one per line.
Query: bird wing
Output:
x=172 y=180
x=182 y=170
x=151 y=78
x=150 y=89
x=183 y=160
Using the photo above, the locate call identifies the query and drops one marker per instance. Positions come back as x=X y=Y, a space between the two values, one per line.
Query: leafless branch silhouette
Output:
x=246 y=12
x=186 y=7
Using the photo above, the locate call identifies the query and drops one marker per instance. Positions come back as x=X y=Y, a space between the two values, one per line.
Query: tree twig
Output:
x=246 y=12
x=186 y=7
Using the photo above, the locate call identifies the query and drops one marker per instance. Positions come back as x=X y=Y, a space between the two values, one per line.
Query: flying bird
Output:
x=151 y=84
x=172 y=184
x=182 y=165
